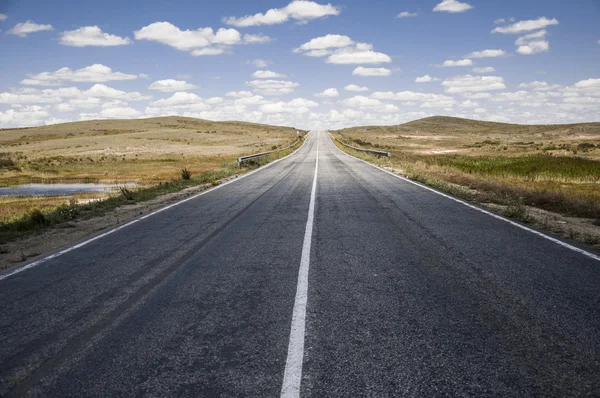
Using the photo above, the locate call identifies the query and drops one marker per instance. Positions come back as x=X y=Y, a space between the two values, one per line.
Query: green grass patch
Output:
x=533 y=166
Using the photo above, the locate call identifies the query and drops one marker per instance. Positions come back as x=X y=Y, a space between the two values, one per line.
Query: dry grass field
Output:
x=145 y=151
x=550 y=167
x=148 y=152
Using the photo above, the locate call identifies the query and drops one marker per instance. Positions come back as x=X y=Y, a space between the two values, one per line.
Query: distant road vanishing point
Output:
x=318 y=276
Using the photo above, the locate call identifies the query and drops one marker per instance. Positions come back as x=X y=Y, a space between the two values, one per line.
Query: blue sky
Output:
x=317 y=64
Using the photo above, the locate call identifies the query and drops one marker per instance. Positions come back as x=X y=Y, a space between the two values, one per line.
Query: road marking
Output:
x=77 y=246
x=496 y=216
x=295 y=357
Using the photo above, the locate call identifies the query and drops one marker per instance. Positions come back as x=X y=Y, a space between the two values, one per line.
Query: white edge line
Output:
x=77 y=246
x=292 y=376
x=496 y=216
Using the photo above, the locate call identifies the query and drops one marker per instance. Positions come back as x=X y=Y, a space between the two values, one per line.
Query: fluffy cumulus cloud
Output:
x=362 y=71
x=532 y=43
x=526 y=26
x=301 y=11
x=25 y=116
x=485 y=69
x=267 y=74
x=540 y=86
x=3 y=17
x=31 y=106
x=202 y=41
x=406 y=14
x=452 y=6
x=273 y=87
x=297 y=106
x=487 y=54
x=96 y=73
x=341 y=49
x=356 y=88
x=425 y=100
x=91 y=36
x=450 y=63
x=426 y=79
x=470 y=84
x=170 y=85
x=24 y=28
x=529 y=43
x=328 y=93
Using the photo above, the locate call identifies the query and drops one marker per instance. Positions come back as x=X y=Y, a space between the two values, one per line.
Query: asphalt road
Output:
x=409 y=294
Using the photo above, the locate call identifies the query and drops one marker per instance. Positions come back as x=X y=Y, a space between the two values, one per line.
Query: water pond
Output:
x=58 y=189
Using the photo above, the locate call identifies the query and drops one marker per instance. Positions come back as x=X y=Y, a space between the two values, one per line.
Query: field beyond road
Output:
x=150 y=153
x=144 y=151
x=515 y=169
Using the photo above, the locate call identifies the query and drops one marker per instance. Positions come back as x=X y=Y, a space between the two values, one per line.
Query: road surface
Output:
x=408 y=293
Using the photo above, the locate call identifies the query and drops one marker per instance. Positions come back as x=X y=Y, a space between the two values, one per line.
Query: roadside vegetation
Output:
x=517 y=168
x=157 y=171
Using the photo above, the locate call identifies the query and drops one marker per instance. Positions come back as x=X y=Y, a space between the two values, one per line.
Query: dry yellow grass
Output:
x=144 y=151
x=556 y=167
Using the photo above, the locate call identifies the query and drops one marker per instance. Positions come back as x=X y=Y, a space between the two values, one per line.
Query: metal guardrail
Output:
x=377 y=153
x=258 y=155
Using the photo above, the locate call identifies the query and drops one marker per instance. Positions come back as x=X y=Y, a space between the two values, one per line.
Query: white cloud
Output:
x=426 y=79
x=526 y=26
x=468 y=83
x=503 y=20
x=427 y=100
x=300 y=10
x=326 y=42
x=486 y=69
x=356 y=88
x=170 y=85
x=239 y=94
x=24 y=28
x=26 y=116
x=179 y=98
x=96 y=73
x=361 y=71
x=406 y=14
x=273 y=87
x=452 y=6
x=329 y=93
x=358 y=57
x=91 y=36
x=361 y=101
x=69 y=98
x=540 y=86
x=532 y=43
x=103 y=91
x=266 y=74
x=202 y=41
x=253 y=100
x=342 y=50
x=171 y=35
x=297 y=106
x=208 y=51
x=487 y=54
x=3 y=17
x=462 y=62
x=256 y=39
x=259 y=63
x=317 y=53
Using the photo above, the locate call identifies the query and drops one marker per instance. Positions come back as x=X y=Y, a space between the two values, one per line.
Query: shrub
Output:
x=186 y=174
x=517 y=210
x=127 y=193
x=37 y=217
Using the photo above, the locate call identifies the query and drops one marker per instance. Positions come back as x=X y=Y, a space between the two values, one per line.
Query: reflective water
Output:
x=56 y=189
